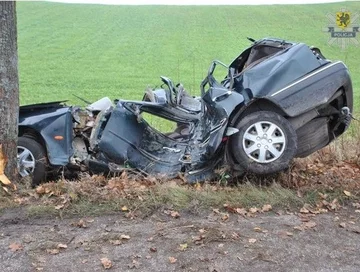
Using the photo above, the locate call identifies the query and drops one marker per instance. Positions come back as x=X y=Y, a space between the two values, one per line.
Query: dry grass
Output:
x=336 y=166
x=97 y=195
x=330 y=171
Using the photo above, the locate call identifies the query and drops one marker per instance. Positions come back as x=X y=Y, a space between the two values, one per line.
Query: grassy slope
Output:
x=94 y=50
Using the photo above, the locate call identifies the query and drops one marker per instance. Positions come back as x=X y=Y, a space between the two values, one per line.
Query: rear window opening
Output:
x=258 y=53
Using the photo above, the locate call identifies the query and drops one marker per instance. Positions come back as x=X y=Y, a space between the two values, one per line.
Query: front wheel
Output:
x=31 y=158
x=265 y=144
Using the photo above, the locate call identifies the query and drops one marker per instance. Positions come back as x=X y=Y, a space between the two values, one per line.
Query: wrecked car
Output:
x=278 y=100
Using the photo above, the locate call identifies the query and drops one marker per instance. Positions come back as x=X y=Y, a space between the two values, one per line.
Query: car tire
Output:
x=312 y=137
x=265 y=144
x=31 y=159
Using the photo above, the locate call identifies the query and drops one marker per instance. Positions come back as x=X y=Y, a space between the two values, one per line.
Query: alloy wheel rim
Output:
x=264 y=142
x=25 y=161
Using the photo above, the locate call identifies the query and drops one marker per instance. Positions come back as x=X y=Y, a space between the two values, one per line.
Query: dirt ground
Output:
x=272 y=241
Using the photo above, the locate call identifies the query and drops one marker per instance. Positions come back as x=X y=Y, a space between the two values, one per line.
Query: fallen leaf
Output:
x=124 y=209
x=175 y=214
x=107 y=228
x=347 y=193
x=40 y=190
x=172 y=260
x=135 y=264
x=241 y=211
x=310 y=224
x=323 y=196
x=202 y=230
x=216 y=211
x=252 y=240
x=198 y=240
x=307 y=209
x=323 y=210
x=15 y=247
x=5 y=189
x=266 y=208
x=334 y=205
x=80 y=224
x=229 y=208
x=115 y=242
x=285 y=234
x=62 y=246
x=304 y=210
x=183 y=247
x=301 y=228
x=355 y=229
x=305 y=217
x=107 y=264
x=3 y=160
x=124 y=237
x=351 y=228
x=58 y=207
x=53 y=251
x=257 y=229
x=253 y=210
x=153 y=249
x=306 y=225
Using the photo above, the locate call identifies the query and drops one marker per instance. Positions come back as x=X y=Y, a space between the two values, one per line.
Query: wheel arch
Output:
x=261 y=104
x=25 y=131
x=36 y=152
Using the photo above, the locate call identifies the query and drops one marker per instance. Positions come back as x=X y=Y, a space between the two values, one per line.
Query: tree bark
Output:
x=9 y=87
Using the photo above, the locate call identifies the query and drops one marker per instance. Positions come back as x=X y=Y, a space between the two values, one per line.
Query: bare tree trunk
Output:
x=9 y=87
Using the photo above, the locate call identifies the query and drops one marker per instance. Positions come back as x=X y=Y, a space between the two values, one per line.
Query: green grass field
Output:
x=95 y=50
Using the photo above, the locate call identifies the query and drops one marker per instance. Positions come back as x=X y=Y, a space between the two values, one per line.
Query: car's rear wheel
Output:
x=31 y=159
x=265 y=144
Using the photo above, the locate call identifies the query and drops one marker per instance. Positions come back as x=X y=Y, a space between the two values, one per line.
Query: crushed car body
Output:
x=278 y=100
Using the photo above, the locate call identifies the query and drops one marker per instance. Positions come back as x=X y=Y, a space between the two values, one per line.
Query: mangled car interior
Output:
x=279 y=100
